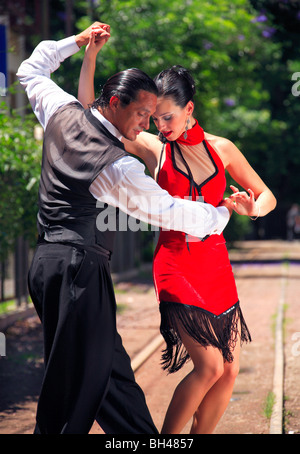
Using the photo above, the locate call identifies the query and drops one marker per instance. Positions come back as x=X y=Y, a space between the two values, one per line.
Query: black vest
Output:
x=77 y=147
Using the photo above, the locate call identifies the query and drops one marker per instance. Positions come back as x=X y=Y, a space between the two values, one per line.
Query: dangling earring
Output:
x=186 y=128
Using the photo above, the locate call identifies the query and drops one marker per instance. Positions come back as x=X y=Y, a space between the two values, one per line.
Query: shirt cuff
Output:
x=67 y=47
x=223 y=218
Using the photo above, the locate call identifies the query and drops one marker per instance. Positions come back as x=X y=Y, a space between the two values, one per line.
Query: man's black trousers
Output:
x=88 y=375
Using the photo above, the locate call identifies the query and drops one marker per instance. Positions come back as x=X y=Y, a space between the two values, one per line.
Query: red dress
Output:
x=193 y=277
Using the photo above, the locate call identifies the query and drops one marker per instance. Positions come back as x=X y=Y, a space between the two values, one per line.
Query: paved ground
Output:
x=260 y=287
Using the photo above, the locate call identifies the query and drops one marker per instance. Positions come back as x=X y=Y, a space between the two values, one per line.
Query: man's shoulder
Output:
x=69 y=111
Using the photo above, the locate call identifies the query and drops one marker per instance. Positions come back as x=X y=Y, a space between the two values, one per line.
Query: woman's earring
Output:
x=186 y=128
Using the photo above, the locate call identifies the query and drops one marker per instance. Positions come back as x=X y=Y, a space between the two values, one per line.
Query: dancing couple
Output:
x=88 y=156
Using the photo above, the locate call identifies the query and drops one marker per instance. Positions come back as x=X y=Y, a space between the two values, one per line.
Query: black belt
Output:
x=88 y=247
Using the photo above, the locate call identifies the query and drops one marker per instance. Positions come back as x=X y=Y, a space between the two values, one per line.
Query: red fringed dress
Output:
x=193 y=277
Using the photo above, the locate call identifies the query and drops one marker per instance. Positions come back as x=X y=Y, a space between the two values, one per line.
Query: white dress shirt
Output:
x=124 y=183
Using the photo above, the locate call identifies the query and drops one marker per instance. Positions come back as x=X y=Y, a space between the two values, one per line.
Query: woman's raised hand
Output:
x=244 y=203
x=94 y=38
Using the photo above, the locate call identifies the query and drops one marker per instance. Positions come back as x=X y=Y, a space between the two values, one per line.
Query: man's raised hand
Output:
x=100 y=32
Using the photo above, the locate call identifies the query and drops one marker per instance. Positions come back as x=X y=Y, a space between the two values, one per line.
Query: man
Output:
x=88 y=374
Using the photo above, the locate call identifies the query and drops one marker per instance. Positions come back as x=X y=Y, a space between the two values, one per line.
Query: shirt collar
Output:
x=108 y=125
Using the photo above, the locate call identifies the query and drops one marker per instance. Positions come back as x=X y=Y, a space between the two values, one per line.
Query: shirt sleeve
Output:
x=34 y=74
x=124 y=184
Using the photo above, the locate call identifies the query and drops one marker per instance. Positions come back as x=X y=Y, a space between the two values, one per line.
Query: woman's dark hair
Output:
x=125 y=85
x=177 y=83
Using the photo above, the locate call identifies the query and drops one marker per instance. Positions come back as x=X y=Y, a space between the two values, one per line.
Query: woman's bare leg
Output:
x=205 y=392
x=208 y=368
x=217 y=398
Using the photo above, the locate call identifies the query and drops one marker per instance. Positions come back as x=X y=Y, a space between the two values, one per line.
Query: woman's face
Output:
x=171 y=119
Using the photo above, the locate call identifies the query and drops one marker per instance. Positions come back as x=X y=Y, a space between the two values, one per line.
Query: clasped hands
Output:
x=97 y=34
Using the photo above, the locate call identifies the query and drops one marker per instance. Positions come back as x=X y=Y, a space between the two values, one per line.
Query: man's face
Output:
x=132 y=119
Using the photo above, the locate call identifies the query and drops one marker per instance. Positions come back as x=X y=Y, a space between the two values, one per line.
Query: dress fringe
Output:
x=204 y=327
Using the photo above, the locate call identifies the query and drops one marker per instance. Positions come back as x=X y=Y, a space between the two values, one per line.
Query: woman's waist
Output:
x=178 y=249
x=169 y=237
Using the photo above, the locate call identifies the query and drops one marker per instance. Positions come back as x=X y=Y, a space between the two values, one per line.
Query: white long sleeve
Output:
x=124 y=183
x=34 y=74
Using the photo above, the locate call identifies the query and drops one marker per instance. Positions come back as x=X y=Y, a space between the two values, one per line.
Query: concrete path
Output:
x=264 y=283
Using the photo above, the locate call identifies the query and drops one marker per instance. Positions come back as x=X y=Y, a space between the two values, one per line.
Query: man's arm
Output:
x=124 y=184
x=34 y=73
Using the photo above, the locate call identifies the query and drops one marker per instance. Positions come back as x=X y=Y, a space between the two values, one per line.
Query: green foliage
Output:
x=20 y=160
x=269 y=404
x=242 y=54
x=238 y=64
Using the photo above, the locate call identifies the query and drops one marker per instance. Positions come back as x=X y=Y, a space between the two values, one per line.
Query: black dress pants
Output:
x=88 y=375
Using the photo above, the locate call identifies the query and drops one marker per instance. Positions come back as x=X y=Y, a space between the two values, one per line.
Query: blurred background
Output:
x=244 y=56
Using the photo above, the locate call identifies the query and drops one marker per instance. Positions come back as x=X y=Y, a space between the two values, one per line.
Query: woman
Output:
x=201 y=317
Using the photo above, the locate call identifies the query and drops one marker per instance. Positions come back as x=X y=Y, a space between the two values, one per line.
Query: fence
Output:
x=14 y=272
x=130 y=250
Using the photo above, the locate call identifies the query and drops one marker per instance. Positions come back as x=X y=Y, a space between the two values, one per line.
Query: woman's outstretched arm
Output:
x=257 y=200
x=146 y=146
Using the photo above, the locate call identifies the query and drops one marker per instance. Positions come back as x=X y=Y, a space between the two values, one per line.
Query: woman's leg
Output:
x=217 y=398
x=208 y=368
x=205 y=392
